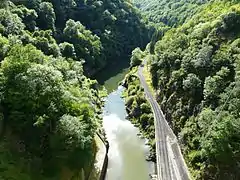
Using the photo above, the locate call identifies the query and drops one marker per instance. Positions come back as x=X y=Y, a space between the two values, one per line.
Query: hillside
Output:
x=170 y=13
x=50 y=109
x=100 y=32
x=195 y=72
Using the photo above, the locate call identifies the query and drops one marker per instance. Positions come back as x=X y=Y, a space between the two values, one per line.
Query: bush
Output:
x=145 y=107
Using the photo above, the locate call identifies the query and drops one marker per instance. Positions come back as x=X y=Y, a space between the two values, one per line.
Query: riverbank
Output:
x=139 y=110
x=99 y=168
x=127 y=152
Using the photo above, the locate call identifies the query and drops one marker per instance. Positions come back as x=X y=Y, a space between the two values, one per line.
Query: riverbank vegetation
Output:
x=50 y=110
x=195 y=72
x=139 y=110
x=49 y=113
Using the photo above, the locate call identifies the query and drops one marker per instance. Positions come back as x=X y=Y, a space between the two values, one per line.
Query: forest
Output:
x=169 y=13
x=100 y=32
x=194 y=69
x=50 y=108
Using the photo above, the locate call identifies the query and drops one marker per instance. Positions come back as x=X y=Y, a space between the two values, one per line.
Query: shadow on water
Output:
x=112 y=75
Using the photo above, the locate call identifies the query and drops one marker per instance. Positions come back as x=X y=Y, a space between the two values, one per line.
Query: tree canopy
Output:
x=195 y=70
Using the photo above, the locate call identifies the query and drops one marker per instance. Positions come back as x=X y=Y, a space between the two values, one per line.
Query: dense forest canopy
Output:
x=48 y=115
x=100 y=32
x=195 y=71
x=169 y=12
x=50 y=110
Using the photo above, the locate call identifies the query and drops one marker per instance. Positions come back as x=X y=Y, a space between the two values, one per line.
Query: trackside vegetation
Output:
x=195 y=73
x=139 y=110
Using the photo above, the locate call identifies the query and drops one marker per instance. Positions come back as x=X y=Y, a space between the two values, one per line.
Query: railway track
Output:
x=170 y=162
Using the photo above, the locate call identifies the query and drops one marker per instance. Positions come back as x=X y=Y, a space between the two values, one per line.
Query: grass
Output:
x=148 y=77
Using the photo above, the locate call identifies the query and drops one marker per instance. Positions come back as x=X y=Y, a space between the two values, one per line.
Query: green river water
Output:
x=127 y=151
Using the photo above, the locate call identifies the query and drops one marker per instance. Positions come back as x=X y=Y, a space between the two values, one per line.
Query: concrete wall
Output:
x=99 y=168
x=105 y=164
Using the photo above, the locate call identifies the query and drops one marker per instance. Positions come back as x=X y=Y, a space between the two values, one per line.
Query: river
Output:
x=127 y=152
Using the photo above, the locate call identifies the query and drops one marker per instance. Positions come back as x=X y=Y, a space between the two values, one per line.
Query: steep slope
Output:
x=169 y=12
x=106 y=33
x=49 y=115
x=195 y=70
x=50 y=111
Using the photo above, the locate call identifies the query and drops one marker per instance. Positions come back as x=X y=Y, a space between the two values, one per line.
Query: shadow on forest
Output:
x=111 y=75
x=111 y=70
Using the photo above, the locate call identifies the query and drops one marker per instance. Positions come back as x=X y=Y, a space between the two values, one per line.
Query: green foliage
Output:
x=136 y=58
x=145 y=108
x=129 y=101
x=87 y=45
x=72 y=141
x=47 y=104
x=50 y=106
x=10 y=24
x=192 y=85
x=139 y=110
x=46 y=19
x=171 y=13
x=195 y=71
x=44 y=41
x=4 y=3
x=144 y=120
x=102 y=32
x=28 y=16
x=67 y=50
x=4 y=47
x=215 y=85
x=218 y=139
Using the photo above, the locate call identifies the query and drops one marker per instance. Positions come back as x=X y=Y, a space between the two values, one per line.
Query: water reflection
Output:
x=127 y=151
x=110 y=76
